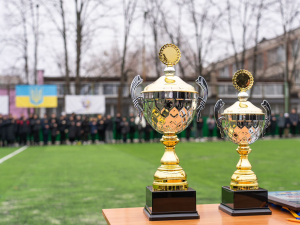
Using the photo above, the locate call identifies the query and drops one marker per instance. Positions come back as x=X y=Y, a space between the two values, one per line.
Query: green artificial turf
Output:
x=6 y=151
x=72 y=184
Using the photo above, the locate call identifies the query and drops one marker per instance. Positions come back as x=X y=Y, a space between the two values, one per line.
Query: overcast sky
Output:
x=110 y=33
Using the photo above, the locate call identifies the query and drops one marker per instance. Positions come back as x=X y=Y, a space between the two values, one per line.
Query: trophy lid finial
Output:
x=242 y=80
x=169 y=54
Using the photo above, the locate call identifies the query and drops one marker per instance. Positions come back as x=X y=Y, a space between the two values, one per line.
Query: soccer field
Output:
x=72 y=184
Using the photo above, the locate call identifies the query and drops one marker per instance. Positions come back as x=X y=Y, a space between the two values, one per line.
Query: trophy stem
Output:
x=243 y=178
x=170 y=176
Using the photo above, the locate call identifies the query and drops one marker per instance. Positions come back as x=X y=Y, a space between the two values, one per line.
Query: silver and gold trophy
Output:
x=169 y=106
x=243 y=123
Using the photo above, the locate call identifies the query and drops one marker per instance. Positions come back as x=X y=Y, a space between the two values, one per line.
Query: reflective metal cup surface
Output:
x=243 y=128
x=169 y=112
x=243 y=124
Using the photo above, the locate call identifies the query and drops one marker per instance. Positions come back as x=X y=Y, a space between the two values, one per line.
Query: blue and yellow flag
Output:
x=36 y=96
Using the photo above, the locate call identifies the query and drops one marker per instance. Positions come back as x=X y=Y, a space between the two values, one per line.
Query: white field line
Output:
x=13 y=154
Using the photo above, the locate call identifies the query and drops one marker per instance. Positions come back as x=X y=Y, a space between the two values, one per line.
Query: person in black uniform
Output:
x=1 y=130
x=299 y=124
x=5 y=123
x=72 y=129
x=45 y=130
x=147 y=132
x=101 y=130
x=93 y=129
x=30 y=118
x=86 y=129
x=78 y=130
x=287 y=125
x=219 y=136
x=199 y=129
x=109 y=129
x=188 y=131
x=23 y=130
x=273 y=124
x=124 y=129
x=36 y=126
x=118 y=121
x=63 y=128
x=11 y=131
x=132 y=129
x=53 y=130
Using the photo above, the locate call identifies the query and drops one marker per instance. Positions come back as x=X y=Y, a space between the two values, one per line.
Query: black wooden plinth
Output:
x=170 y=205
x=245 y=203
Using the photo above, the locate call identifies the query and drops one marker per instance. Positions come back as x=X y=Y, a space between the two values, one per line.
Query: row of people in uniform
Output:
x=76 y=128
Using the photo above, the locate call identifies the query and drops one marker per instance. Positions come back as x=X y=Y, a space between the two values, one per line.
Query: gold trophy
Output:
x=243 y=123
x=169 y=106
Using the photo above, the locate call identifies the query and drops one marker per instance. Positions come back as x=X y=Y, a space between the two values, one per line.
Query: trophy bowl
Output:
x=169 y=112
x=169 y=106
x=243 y=123
x=241 y=128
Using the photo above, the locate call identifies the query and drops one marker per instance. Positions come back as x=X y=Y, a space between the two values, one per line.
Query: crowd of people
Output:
x=71 y=129
x=77 y=129
x=287 y=124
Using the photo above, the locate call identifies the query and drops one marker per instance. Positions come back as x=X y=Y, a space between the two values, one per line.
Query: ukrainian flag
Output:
x=36 y=96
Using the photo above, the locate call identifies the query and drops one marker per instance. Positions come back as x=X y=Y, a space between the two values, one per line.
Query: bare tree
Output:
x=153 y=19
x=289 y=12
x=205 y=24
x=257 y=29
x=35 y=31
x=260 y=9
x=128 y=15
x=58 y=5
x=87 y=24
x=174 y=32
x=243 y=13
x=17 y=16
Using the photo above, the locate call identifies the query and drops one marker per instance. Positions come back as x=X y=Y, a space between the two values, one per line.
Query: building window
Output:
x=271 y=57
x=110 y=89
x=234 y=69
x=280 y=54
x=257 y=90
x=295 y=47
x=276 y=55
x=273 y=90
x=60 y=89
x=86 y=89
x=297 y=77
x=259 y=62
x=224 y=72
x=113 y=89
x=226 y=90
x=98 y=89
x=222 y=89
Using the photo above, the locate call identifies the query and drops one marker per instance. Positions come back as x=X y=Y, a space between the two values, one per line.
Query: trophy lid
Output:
x=169 y=54
x=243 y=81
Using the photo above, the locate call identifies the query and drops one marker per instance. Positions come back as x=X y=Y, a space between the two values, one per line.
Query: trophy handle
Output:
x=203 y=85
x=137 y=80
x=218 y=119
x=265 y=104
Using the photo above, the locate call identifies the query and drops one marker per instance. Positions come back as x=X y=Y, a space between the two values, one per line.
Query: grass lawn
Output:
x=72 y=184
x=6 y=151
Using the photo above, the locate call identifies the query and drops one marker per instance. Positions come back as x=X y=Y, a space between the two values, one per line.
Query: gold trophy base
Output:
x=243 y=178
x=170 y=176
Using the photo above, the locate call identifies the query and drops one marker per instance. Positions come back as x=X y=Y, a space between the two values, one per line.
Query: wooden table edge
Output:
x=273 y=209
x=105 y=217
